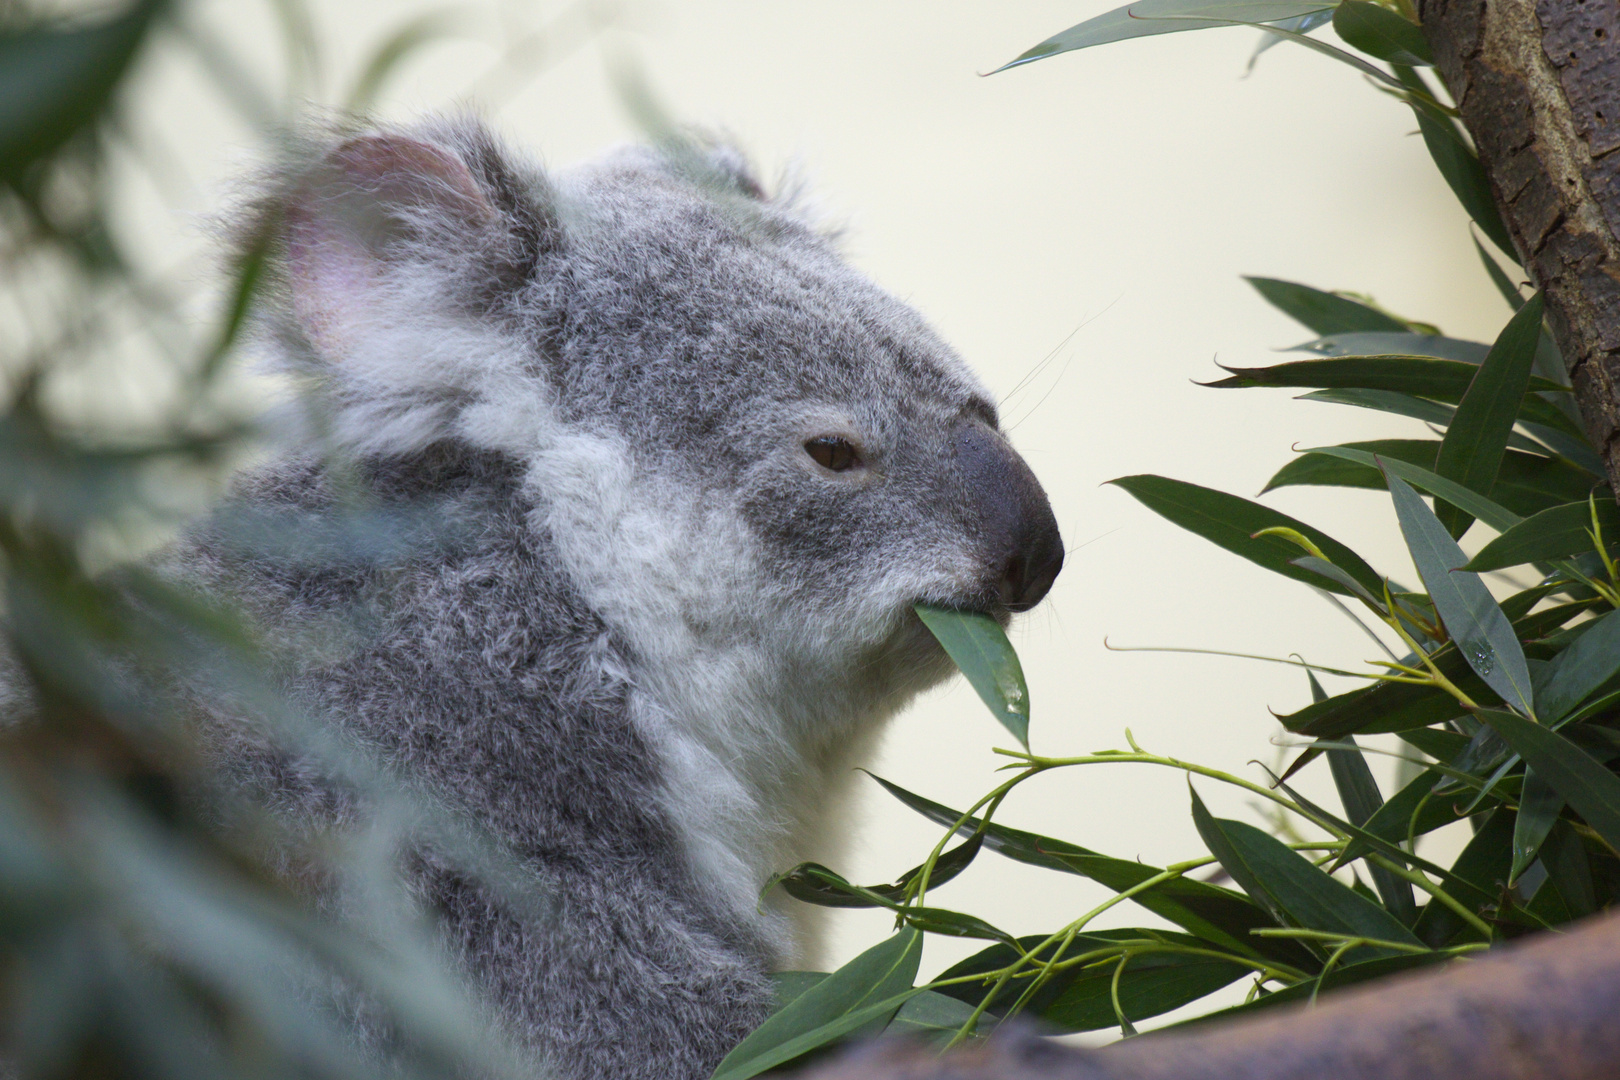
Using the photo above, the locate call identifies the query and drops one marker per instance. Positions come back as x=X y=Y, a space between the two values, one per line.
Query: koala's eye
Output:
x=833 y=452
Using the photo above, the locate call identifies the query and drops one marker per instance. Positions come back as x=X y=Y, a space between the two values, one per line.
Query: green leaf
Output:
x=1487 y=511
x=1381 y=708
x=1294 y=891
x=1080 y=998
x=1474 y=444
x=1220 y=916
x=1569 y=875
x=842 y=1004
x=1539 y=807
x=1392 y=820
x=1485 y=860
x=1504 y=284
x=1481 y=631
x=1231 y=522
x=931 y=1018
x=1424 y=376
x=1358 y=792
x=788 y=986
x=1324 y=312
x=1341 y=977
x=981 y=650
x=1525 y=484
x=1580 y=670
x=1393 y=343
x=1378 y=31
x=1460 y=166
x=1150 y=17
x=1577 y=776
x=1552 y=534
x=1430 y=412
x=53 y=82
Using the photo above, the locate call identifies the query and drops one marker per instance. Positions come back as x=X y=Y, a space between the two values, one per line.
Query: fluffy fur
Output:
x=653 y=635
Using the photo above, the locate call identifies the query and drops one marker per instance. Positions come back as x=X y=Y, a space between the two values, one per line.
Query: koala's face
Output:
x=730 y=429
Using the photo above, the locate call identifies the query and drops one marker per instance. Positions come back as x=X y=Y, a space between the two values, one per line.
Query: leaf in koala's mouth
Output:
x=981 y=650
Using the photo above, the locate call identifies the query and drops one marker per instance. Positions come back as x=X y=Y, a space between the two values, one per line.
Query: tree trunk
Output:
x=1538 y=85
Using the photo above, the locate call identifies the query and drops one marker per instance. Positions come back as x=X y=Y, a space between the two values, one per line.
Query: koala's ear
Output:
x=372 y=206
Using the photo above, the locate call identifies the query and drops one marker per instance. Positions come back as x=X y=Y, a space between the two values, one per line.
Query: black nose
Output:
x=1015 y=526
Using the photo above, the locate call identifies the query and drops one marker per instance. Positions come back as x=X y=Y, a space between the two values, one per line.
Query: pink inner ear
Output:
x=334 y=258
x=397 y=170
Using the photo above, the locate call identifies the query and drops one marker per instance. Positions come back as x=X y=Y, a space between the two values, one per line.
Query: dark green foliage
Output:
x=1510 y=706
x=152 y=925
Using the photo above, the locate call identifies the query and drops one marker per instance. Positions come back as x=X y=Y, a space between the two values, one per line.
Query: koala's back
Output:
x=471 y=664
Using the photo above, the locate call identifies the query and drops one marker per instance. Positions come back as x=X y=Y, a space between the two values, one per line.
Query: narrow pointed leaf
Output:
x=1539 y=807
x=1486 y=860
x=1324 y=312
x=1552 y=534
x=1482 y=632
x=1526 y=484
x=1297 y=893
x=981 y=650
x=835 y=1007
x=1231 y=522
x=1425 y=376
x=1396 y=343
x=1216 y=915
x=1358 y=793
x=1150 y=17
x=1487 y=511
x=1474 y=444
x=54 y=82
x=1430 y=412
x=1154 y=981
x=1341 y=977
x=1581 y=779
x=1504 y=284
x=1378 y=31
x=1460 y=166
x=1580 y=670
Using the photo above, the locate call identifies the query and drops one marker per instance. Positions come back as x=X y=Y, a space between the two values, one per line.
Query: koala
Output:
x=695 y=472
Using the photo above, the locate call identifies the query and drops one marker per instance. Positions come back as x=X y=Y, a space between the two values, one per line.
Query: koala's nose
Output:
x=1017 y=530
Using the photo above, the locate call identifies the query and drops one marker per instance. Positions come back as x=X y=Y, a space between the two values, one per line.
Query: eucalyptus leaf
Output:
x=54 y=82
x=1552 y=534
x=1472 y=450
x=1476 y=623
x=1359 y=794
x=1395 y=343
x=1526 y=484
x=1296 y=893
x=1460 y=167
x=981 y=650
x=1581 y=669
x=1487 y=511
x=1325 y=312
x=1156 y=978
x=1378 y=31
x=861 y=995
x=1424 y=376
x=1219 y=916
x=1504 y=284
x=1583 y=782
x=1539 y=807
x=1150 y=17
x=1232 y=522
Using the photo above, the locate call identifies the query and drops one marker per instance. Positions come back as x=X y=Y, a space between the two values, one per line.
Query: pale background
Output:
x=1095 y=210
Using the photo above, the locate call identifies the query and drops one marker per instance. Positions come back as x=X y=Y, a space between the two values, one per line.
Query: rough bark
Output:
x=1543 y=1008
x=1538 y=86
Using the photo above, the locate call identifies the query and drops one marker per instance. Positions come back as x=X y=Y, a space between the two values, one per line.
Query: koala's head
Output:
x=733 y=439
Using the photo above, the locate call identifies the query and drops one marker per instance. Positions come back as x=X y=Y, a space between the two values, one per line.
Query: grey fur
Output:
x=652 y=636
